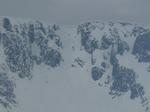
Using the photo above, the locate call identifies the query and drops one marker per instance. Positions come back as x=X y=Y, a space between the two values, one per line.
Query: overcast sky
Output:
x=76 y=11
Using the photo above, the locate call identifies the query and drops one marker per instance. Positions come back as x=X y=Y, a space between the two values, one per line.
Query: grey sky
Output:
x=76 y=11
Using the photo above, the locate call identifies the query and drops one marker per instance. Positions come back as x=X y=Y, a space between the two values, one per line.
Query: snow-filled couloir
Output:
x=91 y=67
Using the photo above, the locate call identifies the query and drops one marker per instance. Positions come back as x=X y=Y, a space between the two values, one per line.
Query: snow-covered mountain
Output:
x=91 y=67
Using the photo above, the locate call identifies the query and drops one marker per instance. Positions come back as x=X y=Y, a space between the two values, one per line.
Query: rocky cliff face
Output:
x=112 y=53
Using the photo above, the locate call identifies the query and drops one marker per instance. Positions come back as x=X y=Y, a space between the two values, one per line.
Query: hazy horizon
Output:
x=76 y=11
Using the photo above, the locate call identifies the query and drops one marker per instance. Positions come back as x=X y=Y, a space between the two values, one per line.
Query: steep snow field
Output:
x=93 y=67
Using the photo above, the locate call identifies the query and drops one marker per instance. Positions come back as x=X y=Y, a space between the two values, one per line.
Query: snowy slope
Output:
x=92 y=67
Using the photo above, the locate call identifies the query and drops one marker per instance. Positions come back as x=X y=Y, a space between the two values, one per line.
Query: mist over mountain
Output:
x=94 y=66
